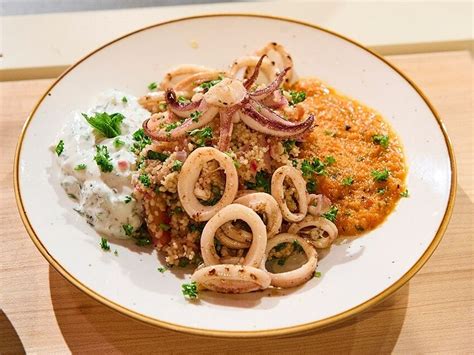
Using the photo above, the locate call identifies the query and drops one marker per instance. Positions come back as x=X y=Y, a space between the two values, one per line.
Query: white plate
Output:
x=355 y=275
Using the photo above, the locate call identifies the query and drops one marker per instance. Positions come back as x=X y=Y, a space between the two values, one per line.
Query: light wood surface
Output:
x=41 y=46
x=42 y=313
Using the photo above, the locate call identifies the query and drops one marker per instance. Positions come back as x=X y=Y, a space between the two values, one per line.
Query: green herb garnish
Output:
x=107 y=125
x=329 y=160
x=311 y=186
x=128 y=229
x=124 y=100
x=104 y=244
x=183 y=262
x=162 y=269
x=216 y=196
x=347 y=181
x=262 y=182
x=143 y=241
x=281 y=261
x=80 y=167
x=152 y=86
x=317 y=274
x=171 y=126
x=195 y=115
x=297 y=97
x=102 y=158
x=381 y=139
x=209 y=84
x=118 y=143
x=381 y=175
x=297 y=247
x=201 y=136
x=289 y=144
x=141 y=141
x=381 y=190
x=404 y=193
x=145 y=180
x=183 y=100
x=313 y=167
x=331 y=214
x=128 y=199
x=59 y=148
x=190 y=290
x=177 y=165
x=156 y=155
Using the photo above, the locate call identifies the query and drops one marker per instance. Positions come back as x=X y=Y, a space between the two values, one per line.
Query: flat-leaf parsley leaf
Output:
x=381 y=175
x=331 y=214
x=102 y=158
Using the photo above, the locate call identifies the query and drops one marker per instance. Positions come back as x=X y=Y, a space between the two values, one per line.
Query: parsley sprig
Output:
x=201 y=136
x=107 y=125
x=381 y=139
x=190 y=290
x=141 y=141
x=104 y=244
x=297 y=97
x=331 y=214
x=262 y=182
x=380 y=175
x=102 y=158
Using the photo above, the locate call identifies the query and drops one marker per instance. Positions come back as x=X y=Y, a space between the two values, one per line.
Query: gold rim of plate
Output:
x=241 y=334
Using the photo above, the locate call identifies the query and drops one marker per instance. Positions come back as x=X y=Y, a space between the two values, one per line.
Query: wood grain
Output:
x=41 y=312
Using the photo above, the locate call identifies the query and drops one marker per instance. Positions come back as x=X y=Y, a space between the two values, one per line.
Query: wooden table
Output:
x=42 y=312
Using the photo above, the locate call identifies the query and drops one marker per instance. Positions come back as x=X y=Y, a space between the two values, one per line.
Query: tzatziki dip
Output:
x=96 y=164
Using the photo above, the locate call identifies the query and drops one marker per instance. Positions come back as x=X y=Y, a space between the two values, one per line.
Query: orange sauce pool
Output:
x=344 y=130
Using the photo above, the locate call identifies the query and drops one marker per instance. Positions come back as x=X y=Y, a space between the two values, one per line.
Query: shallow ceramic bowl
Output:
x=355 y=275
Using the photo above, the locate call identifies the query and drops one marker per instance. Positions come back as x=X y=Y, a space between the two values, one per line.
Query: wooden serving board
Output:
x=41 y=312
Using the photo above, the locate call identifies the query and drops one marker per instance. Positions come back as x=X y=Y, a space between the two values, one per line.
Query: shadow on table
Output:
x=10 y=342
x=88 y=326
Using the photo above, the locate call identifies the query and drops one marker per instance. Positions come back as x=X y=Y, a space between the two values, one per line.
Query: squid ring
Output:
x=189 y=175
x=230 y=213
x=278 y=192
x=294 y=277
x=262 y=202
x=320 y=241
x=229 y=278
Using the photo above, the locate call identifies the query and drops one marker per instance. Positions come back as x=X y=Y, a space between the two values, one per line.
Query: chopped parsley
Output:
x=313 y=167
x=162 y=269
x=201 y=136
x=216 y=196
x=141 y=141
x=209 y=84
x=289 y=144
x=183 y=100
x=195 y=115
x=177 y=165
x=297 y=247
x=152 y=155
x=128 y=199
x=381 y=139
x=331 y=214
x=102 y=158
x=297 y=97
x=171 y=126
x=190 y=290
x=59 y=148
x=124 y=100
x=348 y=181
x=311 y=186
x=317 y=274
x=165 y=227
x=183 y=262
x=104 y=244
x=80 y=167
x=107 y=125
x=381 y=175
x=404 y=193
x=329 y=160
x=152 y=86
x=128 y=229
x=143 y=241
x=145 y=180
x=262 y=182
x=118 y=143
